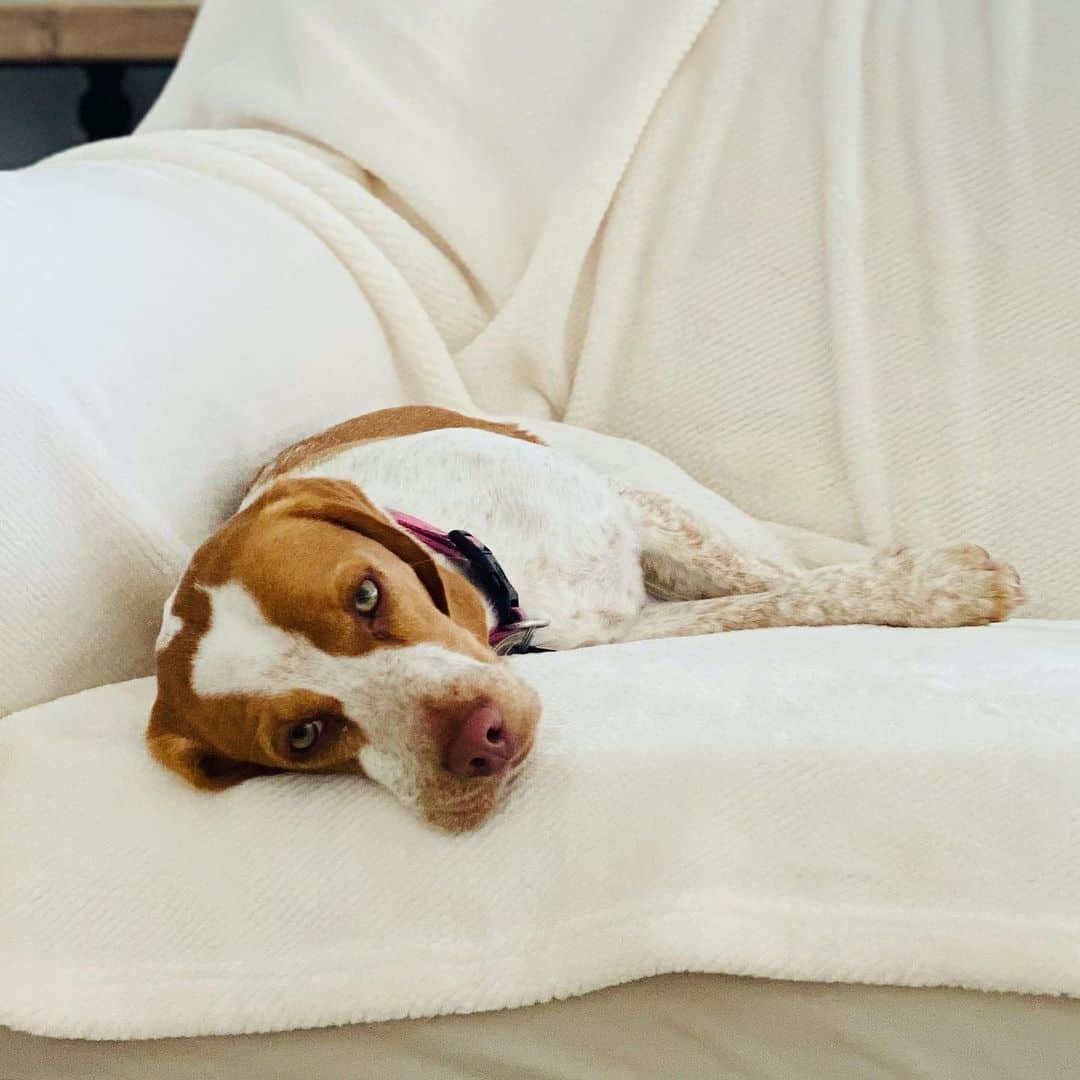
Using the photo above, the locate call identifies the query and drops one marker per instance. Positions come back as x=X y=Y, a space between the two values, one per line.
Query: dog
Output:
x=351 y=617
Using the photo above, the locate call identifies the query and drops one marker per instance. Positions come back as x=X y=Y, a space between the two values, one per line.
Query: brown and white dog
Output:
x=326 y=627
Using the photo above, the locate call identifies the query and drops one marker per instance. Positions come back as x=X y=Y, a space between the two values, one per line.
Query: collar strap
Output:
x=513 y=632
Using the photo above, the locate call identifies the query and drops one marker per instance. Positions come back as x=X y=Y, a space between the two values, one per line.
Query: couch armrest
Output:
x=161 y=335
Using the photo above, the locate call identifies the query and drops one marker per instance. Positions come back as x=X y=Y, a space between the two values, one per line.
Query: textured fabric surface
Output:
x=130 y=428
x=794 y=247
x=821 y=254
x=855 y=804
x=163 y=335
x=694 y=1027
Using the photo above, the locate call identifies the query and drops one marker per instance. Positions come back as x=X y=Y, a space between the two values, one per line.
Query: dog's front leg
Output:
x=953 y=586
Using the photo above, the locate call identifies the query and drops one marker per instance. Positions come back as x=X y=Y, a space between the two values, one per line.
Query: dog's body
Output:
x=274 y=630
x=563 y=535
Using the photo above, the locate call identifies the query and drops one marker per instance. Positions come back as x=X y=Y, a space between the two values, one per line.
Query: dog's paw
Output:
x=959 y=585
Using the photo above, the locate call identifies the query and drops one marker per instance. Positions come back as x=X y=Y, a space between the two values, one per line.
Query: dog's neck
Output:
x=513 y=630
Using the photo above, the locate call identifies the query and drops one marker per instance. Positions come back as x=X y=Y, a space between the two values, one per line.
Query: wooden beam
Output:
x=26 y=34
x=45 y=32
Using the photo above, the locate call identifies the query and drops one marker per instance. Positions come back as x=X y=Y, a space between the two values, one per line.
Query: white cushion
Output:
x=857 y=804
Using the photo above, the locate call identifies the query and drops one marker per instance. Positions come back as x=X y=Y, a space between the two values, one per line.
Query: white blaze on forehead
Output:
x=242 y=652
x=171 y=625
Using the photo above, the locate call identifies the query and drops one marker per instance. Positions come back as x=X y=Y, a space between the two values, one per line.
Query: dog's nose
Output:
x=483 y=746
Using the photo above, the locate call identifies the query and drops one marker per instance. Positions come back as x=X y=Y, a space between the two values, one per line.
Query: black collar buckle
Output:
x=488 y=576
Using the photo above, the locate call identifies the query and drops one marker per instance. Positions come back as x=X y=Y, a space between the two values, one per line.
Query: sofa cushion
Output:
x=857 y=804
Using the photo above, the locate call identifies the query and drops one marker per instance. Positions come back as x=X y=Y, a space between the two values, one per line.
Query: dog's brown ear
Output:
x=196 y=762
x=344 y=504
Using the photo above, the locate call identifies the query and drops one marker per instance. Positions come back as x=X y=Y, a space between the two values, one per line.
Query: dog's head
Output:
x=312 y=634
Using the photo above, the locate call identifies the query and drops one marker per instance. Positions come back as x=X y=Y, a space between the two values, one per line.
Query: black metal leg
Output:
x=105 y=109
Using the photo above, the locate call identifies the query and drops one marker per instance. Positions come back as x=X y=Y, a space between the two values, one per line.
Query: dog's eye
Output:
x=304 y=736
x=366 y=599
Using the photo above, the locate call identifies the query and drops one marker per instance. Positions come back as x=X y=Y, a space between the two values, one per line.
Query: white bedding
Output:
x=854 y=804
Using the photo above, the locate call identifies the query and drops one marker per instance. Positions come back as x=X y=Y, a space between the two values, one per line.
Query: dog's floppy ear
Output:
x=344 y=504
x=196 y=762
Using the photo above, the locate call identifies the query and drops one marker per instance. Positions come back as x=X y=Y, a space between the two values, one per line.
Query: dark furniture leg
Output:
x=105 y=109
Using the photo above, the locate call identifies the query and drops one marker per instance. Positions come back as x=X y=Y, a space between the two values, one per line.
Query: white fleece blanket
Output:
x=797 y=248
x=820 y=254
x=859 y=804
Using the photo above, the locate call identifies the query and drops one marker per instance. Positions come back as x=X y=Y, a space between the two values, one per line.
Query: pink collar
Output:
x=513 y=631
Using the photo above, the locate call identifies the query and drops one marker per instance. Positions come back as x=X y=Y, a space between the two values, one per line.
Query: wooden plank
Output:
x=94 y=31
x=26 y=34
x=146 y=33
x=118 y=5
